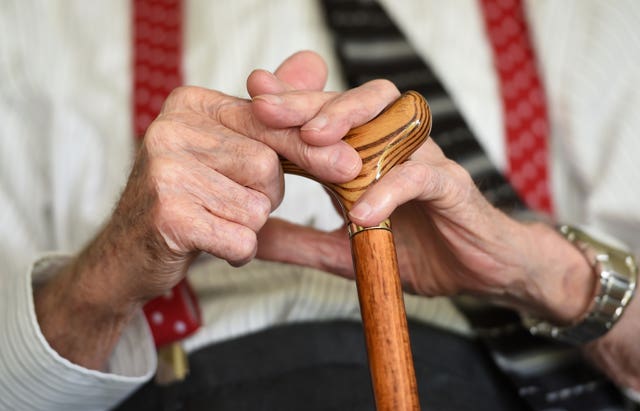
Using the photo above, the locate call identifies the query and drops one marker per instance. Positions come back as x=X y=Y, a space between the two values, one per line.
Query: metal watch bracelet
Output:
x=617 y=272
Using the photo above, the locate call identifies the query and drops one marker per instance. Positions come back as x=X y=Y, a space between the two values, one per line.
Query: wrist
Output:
x=615 y=272
x=557 y=283
x=79 y=327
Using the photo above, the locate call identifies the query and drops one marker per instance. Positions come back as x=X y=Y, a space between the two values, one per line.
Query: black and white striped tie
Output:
x=370 y=46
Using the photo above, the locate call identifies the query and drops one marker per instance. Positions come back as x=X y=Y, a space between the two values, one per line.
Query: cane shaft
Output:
x=383 y=143
x=384 y=319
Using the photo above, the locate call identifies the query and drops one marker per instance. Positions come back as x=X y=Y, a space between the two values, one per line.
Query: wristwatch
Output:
x=617 y=273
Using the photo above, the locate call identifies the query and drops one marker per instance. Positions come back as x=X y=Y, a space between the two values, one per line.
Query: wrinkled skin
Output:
x=207 y=176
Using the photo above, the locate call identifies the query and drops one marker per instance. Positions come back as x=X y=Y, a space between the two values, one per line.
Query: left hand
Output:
x=450 y=240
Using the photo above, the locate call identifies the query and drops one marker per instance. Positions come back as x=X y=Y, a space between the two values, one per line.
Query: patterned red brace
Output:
x=173 y=316
x=523 y=99
x=157 y=54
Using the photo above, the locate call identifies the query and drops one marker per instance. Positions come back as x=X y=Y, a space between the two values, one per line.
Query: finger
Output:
x=203 y=210
x=324 y=117
x=227 y=199
x=427 y=177
x=336 y=163
x=290 y=243
x=291 y=109
x=247 y=162
x=235 y=243
x=196 y=108
x=189 y=184
x=350 y=109
x=264 y=82
x=304 y=70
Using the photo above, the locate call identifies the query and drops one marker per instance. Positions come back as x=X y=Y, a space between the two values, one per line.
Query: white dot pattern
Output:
x=180 y=327
x=174 y=315
x=157 y=318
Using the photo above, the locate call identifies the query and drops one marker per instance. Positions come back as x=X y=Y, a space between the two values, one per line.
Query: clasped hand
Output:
x=207 y=176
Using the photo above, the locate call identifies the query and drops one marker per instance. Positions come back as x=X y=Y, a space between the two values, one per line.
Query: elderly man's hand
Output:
x=450 y=239
x=206 y=178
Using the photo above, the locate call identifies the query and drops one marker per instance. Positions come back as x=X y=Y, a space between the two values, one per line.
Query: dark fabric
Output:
x=549 y=375
x=323 y=366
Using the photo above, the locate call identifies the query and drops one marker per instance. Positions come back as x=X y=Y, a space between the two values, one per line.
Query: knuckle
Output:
x=252 y=210
x=415 y=173
x=306 y=156
x=459 y=172
x=167 y=181
x=244 y=247
x=180 y=95
x=447 y=181
x=266 y=164
x=161 y=171
x=421 y=180
x=261 y=208
x=161 y=135
x=232 y=113
x=176 y=98
x=384 y=86
x=155 y=131
x=462 y=184
x=192 y=98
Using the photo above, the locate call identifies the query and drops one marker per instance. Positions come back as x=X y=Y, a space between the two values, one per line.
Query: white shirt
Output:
x=66 y=147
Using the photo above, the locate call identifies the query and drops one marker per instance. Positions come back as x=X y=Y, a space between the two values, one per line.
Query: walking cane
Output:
x=385 y=141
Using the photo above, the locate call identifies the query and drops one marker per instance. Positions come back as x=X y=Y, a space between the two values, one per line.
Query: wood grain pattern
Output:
x=385 y=321
x=382 y=143
x=385 y=141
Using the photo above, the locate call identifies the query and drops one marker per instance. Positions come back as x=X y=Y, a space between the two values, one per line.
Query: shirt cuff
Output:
x=37 y=377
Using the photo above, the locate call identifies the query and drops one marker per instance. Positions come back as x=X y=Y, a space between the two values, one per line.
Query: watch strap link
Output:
x=616 y=270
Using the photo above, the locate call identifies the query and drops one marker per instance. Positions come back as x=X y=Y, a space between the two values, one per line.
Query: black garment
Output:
x=323 y=366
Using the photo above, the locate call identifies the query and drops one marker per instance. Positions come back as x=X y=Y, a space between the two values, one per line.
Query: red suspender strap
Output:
x=157 y=69
x=157 y=57
x=525 y=112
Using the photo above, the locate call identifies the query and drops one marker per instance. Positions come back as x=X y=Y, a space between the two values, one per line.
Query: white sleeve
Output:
x=35 y=377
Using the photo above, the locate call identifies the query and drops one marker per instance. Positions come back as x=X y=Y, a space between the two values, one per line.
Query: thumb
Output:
x=304 y=70
x=286 y=242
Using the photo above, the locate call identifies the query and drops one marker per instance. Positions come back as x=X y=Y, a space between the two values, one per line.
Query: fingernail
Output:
x=315 y=124
x=269 y=99
x=361 y=211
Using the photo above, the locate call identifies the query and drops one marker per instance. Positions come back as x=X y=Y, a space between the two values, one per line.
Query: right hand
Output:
x=206 y=179
x=208 y=175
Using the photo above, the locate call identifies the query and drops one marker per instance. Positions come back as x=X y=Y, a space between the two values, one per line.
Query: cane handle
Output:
x=383 y=142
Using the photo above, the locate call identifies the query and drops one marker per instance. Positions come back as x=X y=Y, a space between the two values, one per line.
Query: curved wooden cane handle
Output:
x=385 y=141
